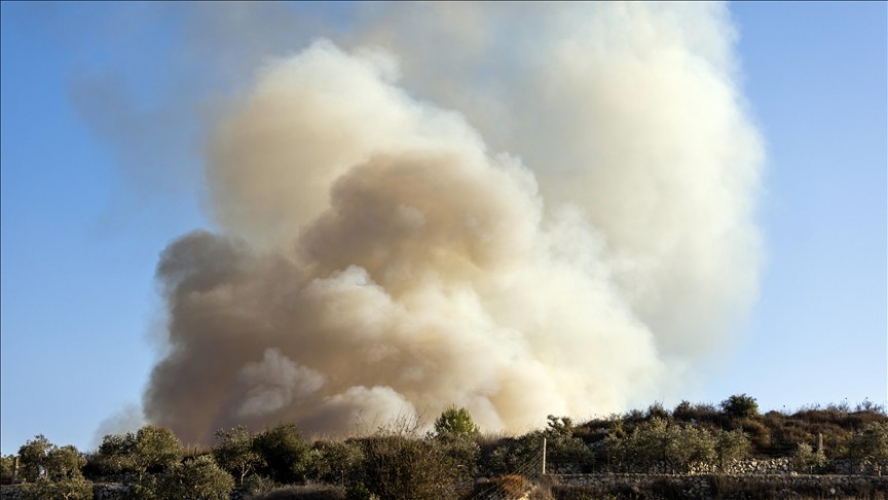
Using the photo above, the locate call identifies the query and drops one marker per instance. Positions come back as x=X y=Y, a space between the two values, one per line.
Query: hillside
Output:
x=691 y=451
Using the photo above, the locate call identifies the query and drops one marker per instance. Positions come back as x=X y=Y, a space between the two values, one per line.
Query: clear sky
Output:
x=89 y=199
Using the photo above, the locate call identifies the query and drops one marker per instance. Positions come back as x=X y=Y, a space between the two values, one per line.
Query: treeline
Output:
x=402 y=462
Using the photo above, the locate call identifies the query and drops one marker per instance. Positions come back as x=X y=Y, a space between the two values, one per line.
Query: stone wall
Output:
x=702 y=486
x=113 y=491
x=727 y=487
x=742 y=467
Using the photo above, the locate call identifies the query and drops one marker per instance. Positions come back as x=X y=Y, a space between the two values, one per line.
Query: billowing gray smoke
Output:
x=519 y=209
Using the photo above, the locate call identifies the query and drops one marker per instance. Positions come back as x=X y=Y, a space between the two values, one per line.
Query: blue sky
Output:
x=84 y=217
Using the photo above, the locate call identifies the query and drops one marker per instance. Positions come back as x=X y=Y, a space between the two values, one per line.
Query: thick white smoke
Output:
x=377 y=257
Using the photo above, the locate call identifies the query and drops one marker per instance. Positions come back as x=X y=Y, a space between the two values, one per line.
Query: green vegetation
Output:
x=455 y=422
x=283 y=452
x=404 y=462
x=236 y=453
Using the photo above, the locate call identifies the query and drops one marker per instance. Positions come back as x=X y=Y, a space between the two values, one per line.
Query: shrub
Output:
x=335 y=462
x=731 y=445
x=306 y=492
x=7 y=463
x=400 y=467
x=64 y=463
x=686 y=412
x=115 y=455
x=871 y=444
x=284 y=453
x=33 y=456
x=656 y=410
x=508 y=486
x=76 y=488
x=454 y=422
x=740 y=406
x=198 y=479
x=235 y=453
x=805 y=459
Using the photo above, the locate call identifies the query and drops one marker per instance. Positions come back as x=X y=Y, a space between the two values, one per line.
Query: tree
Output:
x=559 y=426
x=58 y=470
x=335 y=462
x=693 y=445
x=284 y=453
x=64 y=463
x=33 y=457
x=740 y=406
x=76 y=488
x=454 y=422
x=155 y=449
x=806 y=459
x=198 y=479
x=235 y=453
x=871 y=444
x=669 y=446
x=656 y=410
x=116 y=454
x=7 y=464
x=400 y=467
x=733 y=445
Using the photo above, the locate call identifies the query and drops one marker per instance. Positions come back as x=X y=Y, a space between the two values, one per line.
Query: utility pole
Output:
x=544 y=456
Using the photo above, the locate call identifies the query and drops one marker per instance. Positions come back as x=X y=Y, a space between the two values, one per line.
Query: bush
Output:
x=740 y=406
x=33 y=457
x=154 y=449
x=198 y=479
x=114 y=456
x=307 y=492
x=731 y=445
x=235 y=453
x=805 y=459
x=256 y=486
x=284 y=453
x=455 y=422
x=400 y=467
x=359 y=492
x=76 y=488
x=335 y=462
x=64 y=463
x=522 y=455
x=656 y=410
x=7 y=463
x=507 y=486
x=686 y=412
x=871 y=444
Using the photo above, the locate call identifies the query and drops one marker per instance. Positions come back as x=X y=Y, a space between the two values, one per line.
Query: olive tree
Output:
x=668 y=446
x=7 y=466
x=235 y=452
x=116 y=454
x=805 y=459
x=75 y=488
x=871 y=444
x=64 y=463
x=154 y=449
x=197 y=479
x=284 y=453
x=335 y=462
x=33 y=457
x=731 y=445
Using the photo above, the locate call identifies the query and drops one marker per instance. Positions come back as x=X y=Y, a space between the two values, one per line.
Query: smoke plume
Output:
x=519 y=209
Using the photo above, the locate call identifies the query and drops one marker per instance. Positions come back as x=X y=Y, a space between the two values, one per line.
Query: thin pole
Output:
x=544 y=456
